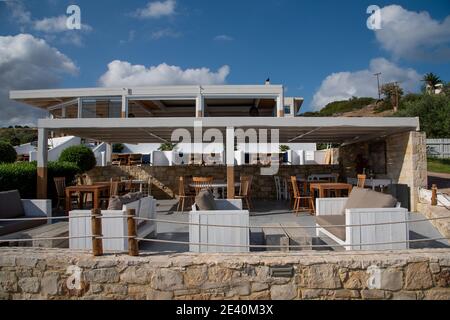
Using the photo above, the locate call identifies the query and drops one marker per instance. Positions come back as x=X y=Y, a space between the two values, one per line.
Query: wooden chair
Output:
x=60 y=186
x=116 y=160
x=361 y=180
x=113 y=191
x=183 y=195
x=135 y=159
x=299 y=198
x=201 y=183
x=244 y=191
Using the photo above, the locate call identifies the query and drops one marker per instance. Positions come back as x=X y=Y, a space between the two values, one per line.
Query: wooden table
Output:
x=95 y=190
x=323 y=186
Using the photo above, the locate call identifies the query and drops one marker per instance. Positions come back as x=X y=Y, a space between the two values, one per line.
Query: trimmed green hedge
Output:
x=7 y=153
x=81 y=155
x=22 y=176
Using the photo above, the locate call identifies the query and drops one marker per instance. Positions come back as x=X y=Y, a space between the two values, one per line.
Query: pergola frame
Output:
x=295 y=129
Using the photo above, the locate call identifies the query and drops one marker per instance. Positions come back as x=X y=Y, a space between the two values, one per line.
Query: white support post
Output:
x=80 y=108
x=280 y=104
x=199 y=106
x=42 y=159
x=108 y=153
x=229 y=152
x=63 y=112
x=124 y=112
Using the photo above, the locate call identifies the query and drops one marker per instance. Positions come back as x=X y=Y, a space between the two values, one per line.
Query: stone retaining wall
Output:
x=165 y=179
x=33 y=273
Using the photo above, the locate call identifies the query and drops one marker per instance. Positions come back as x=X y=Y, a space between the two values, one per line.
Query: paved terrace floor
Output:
x=269 y=213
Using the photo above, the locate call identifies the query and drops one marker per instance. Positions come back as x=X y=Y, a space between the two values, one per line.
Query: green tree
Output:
x=393 y=93
x=432 y=80
x=434 y=114
x=7 y=153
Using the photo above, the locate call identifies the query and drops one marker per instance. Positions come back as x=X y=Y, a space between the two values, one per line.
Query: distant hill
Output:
x=354 y=107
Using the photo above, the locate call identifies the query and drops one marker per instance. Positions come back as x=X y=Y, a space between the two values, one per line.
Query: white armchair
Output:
x=229 y=212
x=35 y=208
x=329 y=212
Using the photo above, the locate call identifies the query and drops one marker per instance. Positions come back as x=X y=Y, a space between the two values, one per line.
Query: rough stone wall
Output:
x=165 y=179
x=406 y=161
x=32 y=273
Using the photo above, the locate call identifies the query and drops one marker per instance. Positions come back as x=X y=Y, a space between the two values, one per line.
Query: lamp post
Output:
x=378 y=81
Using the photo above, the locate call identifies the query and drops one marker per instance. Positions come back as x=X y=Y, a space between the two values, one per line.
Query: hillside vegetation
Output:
x=18 y=135
x=338 y=108
x=433 y=111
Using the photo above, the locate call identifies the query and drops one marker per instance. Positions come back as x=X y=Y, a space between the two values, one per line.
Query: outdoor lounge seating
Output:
x=220 y=212
x=341 y=220
x=81 y=226
x=12 y=207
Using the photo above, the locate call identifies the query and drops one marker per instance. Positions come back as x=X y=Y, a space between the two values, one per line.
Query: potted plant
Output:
x=284 y=153
x=164 y=155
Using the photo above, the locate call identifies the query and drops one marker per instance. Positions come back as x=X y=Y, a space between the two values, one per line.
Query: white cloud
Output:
x=46 y=27
x=27 y=62
x=223 y=37
x=157 y=9
x=164 y=33
x=122 y=73
x=56 y=25
x=18 y=12
x=363 y=83
x=413 y=35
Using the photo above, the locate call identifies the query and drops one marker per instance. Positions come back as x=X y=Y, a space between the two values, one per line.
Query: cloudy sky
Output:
x=320 y=50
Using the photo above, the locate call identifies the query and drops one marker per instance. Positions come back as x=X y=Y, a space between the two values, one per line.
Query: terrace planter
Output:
x=162 y=158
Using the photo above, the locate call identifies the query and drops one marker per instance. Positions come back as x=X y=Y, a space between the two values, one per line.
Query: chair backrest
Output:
x=295 y=189
x=246 y=183
x=114 y=188
x=361 y=180
x=60 y=184
x=181 y=187
x=201 y=183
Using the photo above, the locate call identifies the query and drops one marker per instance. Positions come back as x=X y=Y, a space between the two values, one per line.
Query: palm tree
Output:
x=431 y=81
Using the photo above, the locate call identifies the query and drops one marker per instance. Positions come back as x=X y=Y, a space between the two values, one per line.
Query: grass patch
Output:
x=439 y=165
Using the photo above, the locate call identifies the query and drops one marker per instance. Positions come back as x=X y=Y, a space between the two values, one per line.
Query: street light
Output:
x=378 y=81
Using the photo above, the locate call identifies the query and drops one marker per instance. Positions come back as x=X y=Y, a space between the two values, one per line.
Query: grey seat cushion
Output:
x=366 y=198
x=205 y=201
x=325 y=221
x=8 y=227
x=117 y=202
x=11 y=205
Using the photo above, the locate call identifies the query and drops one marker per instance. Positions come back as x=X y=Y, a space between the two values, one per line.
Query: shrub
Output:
x=7 y=153
x=22 y=176
x=81 y=155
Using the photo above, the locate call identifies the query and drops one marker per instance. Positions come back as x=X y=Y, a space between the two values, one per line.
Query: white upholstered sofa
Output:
x=333 y=211
x=229 y=212
x=113 y=227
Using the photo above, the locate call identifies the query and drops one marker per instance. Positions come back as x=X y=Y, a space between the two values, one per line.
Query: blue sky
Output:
x=296 y=43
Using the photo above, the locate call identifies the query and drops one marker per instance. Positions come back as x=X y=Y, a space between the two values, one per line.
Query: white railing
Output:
x=439 y=148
